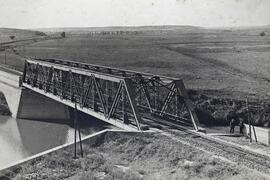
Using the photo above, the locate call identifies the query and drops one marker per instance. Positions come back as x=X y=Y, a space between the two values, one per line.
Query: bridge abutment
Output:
x=9 y=86
x=27 y=104
x=36 y=106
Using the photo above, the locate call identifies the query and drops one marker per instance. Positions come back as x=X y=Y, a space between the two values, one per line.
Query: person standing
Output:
x=241 y=125
x=232 y=125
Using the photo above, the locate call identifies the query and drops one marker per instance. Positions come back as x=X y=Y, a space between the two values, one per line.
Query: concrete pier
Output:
x=26 y=104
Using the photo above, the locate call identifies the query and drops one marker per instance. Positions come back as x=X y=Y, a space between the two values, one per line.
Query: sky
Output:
x=99 y=13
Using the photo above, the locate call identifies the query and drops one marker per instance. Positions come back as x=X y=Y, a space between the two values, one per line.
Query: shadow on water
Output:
x=37 y=136
x=4 y=119
x=21 y=138
x=89 y=124
x=40 y=135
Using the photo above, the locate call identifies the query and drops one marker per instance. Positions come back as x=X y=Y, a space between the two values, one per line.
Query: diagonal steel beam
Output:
x=181 y=90
x=101 y=97
x=131 y=96
x=87 y=91
x=168 y=99
x=115 y=100
x=147 y=95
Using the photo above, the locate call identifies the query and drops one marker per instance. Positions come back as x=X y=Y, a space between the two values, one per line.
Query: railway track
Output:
x=236 y=154
x=215 y=146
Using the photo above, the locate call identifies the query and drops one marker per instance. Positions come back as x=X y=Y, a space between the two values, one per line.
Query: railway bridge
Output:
x=123 y=98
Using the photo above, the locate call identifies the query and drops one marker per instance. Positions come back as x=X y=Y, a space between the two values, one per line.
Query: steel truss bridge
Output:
x=120 y=97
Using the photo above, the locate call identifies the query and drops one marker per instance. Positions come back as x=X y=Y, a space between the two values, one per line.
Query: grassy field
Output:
x=220 y=63
x=224 y=63
x=233 y=61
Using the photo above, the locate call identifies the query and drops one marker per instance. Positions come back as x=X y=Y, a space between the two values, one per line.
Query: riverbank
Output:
x=118 y=155
x=215 y=110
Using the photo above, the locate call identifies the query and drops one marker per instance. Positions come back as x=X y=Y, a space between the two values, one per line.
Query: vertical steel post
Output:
x=77 y=127
x=75 y=133
x=124 y=106
x=93 y=96
x=249 y=121
x=54 y=91
x=254 y=132
x=82 y=80
x=70 y=85
x=108 y=93
x=24 y=72
x=62 y=84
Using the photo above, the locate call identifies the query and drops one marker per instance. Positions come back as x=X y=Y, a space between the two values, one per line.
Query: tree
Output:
x=63 y=34
x=262 y=34
x=12 y=37
x=38 y=33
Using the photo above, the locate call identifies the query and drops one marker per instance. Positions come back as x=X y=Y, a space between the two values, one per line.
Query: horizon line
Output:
x=138 y=26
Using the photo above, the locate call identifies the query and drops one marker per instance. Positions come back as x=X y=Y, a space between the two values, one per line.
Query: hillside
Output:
x=85 y=30
x=231 y=63
x=231 y=60
x=19 y=34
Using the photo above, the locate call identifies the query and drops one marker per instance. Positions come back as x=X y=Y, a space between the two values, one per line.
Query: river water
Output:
x=21 y=138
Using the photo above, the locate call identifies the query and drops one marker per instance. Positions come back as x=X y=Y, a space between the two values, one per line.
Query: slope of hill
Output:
x=233 y=60
x=8 y=34
x=84 y=30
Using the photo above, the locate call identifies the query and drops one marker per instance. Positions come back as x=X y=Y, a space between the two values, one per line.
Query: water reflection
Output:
x=21 y=138
x=37 y=136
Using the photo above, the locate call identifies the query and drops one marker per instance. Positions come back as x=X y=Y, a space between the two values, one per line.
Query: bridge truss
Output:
x=120 y=97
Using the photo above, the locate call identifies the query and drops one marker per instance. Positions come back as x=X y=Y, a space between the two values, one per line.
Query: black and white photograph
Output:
x=134 y=89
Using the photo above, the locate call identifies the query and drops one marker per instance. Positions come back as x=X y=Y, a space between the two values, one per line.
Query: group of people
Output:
x=234 y=121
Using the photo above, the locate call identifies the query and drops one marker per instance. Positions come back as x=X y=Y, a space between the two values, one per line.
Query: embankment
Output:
x=122 y=155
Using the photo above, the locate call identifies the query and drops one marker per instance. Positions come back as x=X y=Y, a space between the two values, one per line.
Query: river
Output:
x=21 y=138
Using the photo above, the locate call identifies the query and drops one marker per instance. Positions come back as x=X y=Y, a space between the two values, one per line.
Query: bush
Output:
x=63 y=34
x=12 y=37
x=38 y=33
x=262 y=34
